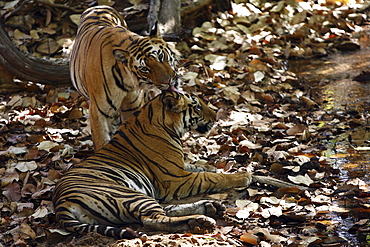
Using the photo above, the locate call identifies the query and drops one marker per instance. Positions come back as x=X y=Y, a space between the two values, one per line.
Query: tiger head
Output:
x=152 y=60
x=185 y=112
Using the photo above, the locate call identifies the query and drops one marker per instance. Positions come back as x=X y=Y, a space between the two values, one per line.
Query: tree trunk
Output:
x=168 y=15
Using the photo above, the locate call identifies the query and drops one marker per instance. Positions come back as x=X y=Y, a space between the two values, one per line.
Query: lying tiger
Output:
x=143 y=164
x=114 y=68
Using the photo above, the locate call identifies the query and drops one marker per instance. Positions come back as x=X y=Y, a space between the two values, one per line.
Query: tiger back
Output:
x=144 y=163
x=117 y=69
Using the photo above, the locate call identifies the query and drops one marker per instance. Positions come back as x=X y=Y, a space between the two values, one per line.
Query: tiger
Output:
x=142 y=166
x=118 y=70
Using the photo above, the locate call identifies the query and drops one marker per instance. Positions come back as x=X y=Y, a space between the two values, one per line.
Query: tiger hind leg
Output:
x=118 y=205
x=70 y=223
x=156 y=217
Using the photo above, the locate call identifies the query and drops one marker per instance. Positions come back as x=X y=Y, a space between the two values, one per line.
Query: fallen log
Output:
x=27 y=67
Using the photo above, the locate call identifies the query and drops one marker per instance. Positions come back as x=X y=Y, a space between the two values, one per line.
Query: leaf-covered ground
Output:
x=270 y=123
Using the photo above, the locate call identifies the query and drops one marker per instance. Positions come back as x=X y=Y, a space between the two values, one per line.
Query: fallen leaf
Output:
x=11 y=4
x=270 y=200
x=49 y=46
x=25 y=231
x=17 y=150
x=9 y=176
x=301 y=179
x=290 y=190
x=296 y=129
x=231 y=93
x=25 y=166
x=249 y=144
x=40 y=212
x=21 y=36
x=217 y=62
x=13 y=192
x=75 y=18
x=301 y=159
x=46 y=145
x=258 y=76
x=272 y=211
x=244 y=213
x=275 y=156
x=249 y=239
x=361 y=149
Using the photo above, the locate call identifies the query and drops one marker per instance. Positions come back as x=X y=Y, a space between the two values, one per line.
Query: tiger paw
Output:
x=202 y=224
x=214 y=208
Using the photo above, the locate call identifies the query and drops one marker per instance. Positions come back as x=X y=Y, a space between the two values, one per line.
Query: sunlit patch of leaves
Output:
x=268 y=123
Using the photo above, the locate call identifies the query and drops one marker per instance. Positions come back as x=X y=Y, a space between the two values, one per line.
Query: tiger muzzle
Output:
x=204 y=128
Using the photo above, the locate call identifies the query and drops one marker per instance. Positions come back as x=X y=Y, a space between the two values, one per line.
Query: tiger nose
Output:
x=166 y=79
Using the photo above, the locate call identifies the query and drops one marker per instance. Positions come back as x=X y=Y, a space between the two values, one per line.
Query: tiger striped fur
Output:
x=143 y=164
x=117 y=69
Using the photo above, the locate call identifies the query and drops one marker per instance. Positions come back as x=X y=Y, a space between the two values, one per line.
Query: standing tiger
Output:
x=114 y=68
x=143 y=164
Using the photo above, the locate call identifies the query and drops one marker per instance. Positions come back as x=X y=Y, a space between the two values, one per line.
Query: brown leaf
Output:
x=40 y=212
x=32 y=153
x=13 y=192
x=25 y=231
x=249 y=238
x=268 y=97
x=290 y=190
x=41 y=123
x=363 y=77
x=35 y=138
x=41 y=193
x=28 y=189
x=75 y=114
x=20 y=242
x=9 y=176
x=49 y=46
x=296 y=129
x=25 y=209
x=308 y=101
x=53 y=174
x=276 y=168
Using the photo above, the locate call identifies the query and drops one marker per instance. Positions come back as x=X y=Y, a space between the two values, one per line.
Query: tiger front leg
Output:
x=206 y=181
x=199 y=168
x=133 y=101
x=102 y=121
x=204 y=207
x=190 y=223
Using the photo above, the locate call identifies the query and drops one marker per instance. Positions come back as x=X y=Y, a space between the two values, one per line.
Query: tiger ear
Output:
x=121 y=55
x=154 y=32
x=172 y=104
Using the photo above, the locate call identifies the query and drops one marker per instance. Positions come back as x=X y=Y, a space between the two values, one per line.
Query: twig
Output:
x=9 y=14
x=58 y=5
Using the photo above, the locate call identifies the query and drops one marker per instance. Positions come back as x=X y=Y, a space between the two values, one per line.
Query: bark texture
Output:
x=26 y=67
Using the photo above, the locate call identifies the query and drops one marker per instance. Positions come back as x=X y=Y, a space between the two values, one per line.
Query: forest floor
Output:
x=277 y=117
